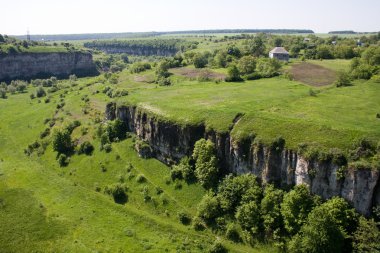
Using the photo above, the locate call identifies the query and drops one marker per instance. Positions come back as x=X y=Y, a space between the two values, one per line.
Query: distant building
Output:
x=279 y=53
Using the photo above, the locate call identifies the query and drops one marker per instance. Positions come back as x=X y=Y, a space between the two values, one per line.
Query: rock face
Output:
x=282 y=167
x=139 y=51
x=44 y=65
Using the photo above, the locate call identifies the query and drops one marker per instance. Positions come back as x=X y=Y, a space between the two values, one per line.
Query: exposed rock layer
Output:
x=280 y=166
x=44 y=65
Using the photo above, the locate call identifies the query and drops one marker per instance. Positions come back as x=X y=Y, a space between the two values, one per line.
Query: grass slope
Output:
x=45 y=208
x=334 y=117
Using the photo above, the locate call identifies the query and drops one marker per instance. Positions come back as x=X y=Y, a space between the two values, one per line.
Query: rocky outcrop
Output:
x=139 y=51
x=275 y=164
x=44 y=65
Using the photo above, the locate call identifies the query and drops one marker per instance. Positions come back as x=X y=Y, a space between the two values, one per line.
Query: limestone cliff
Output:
x=43 y=65
x=276 y=164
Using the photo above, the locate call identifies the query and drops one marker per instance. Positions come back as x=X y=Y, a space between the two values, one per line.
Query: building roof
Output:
x=279 y=50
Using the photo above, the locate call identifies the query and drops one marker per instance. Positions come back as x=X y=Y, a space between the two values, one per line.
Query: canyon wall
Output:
x=275 y=164
x=44 y=65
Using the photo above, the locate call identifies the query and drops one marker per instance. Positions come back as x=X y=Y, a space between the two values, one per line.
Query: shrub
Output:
x=232 y=233
x=208 y=208
x=140 y=178
x=176 y=173
x=3 y=93
x=184 y=218
x=268 y=67
x=62 y=141
x=233 y=74
x=343 y=80
x=40 y=92
x=200 y=60
x=107 y=147
x=63 y=160
x=45 y=133
x=217 y=247
x=118 y=192
x=183 y=170
x=247 y=65
x=86 y=148
x=198 y=224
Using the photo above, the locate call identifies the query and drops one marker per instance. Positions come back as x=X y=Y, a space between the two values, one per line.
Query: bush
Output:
x=40 y=92
x=184 y=218
x=217 y=247
x=232 y=233
x=233 y=74
x=200 y=60
x=247 y=65
x=268 y=67
x=343 y=80
x=86 y=148
x=138 y=67
x=183 y=170
x=107 y=147
x=208 y=208
x=140 y=178
x=62 y=141
x=118 y=192
x=63 y=160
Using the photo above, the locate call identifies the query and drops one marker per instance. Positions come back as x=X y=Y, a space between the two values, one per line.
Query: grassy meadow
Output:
x=47 y=208
x=328 y=116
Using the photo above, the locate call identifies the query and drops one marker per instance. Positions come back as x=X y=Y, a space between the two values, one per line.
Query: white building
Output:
x=279 y=53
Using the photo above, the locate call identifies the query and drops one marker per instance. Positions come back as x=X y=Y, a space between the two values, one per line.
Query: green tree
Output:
x=200 y=60
x=271 y=210
x=268 y=67
x=162 y=69
x=62 y=141
x=320 y=234
x=366 y=239
x=295 y=208
x=233 y=74
x=206 y=169
x=208 y=209
x=344 y=79
x=255 y=47
x=2 y=40
x=3 y=93
x=247 y=65
x=249 y=218
x=220 y=59
x=233 y=191
x=40 y=92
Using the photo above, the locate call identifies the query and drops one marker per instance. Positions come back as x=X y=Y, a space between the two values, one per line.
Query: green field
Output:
x=46 y=208
x=274 y=107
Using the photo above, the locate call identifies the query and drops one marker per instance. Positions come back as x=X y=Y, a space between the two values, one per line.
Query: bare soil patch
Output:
x=198 y=73
x=312 y=74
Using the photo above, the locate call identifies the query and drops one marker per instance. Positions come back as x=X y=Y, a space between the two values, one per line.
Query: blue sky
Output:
x=85 y=16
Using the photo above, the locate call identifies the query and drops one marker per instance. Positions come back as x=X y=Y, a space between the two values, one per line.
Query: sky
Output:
x=107 y=16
